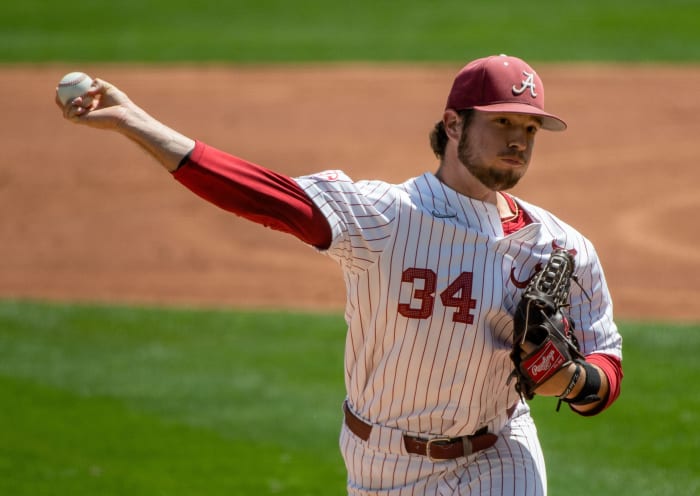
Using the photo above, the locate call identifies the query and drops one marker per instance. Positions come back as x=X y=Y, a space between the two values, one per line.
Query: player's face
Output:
x=496 y=147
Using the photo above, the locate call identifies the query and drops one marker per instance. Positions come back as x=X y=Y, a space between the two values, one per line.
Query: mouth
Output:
x=512 y=160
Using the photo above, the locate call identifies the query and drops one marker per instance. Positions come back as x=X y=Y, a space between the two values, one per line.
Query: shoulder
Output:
x=361 y=214
x=340 y=181
x=549 y=220
x=337 y=186
x=559 y=234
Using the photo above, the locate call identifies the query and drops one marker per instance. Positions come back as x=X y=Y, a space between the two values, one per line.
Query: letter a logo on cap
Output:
x=528 y=83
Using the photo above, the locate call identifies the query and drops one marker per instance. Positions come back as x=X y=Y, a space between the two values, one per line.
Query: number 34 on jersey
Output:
x=458 y=295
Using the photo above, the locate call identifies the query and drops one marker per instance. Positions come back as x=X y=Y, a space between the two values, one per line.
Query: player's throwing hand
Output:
x=104 y=106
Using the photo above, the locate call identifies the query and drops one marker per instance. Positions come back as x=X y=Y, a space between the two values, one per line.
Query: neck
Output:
x=464 y=183
x=504 y=210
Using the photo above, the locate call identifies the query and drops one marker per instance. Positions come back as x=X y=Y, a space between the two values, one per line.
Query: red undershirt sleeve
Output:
x=255 y=193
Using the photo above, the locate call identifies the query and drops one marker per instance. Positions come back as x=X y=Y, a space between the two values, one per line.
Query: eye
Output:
x=503 y=121
x=532 y=129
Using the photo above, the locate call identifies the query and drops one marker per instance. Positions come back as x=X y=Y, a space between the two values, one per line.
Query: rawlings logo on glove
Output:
x=543 y=364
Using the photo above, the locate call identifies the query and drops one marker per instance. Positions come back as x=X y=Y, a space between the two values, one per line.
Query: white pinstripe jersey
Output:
x=432 y=284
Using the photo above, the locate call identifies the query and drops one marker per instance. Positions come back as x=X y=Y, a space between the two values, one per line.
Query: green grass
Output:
x=647 y=443
x=138 y=401
x=322 y=30
x=100 y=400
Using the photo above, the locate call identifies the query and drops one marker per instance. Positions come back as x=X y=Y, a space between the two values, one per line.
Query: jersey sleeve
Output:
x=591 y=307
x=360 y=214
x=253 y=192
x=592 y=312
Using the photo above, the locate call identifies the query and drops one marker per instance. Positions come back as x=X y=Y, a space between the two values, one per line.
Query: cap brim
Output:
x=550 y=122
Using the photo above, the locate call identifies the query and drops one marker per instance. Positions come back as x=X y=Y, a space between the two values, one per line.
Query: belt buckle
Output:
x=430 y=442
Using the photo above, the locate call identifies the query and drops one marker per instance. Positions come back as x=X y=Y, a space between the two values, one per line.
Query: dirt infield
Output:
x=87 y=216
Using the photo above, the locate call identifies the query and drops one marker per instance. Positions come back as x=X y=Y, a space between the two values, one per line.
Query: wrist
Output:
x=166 y=145
x=574 y=385
x=132 y=121
x=588 y=389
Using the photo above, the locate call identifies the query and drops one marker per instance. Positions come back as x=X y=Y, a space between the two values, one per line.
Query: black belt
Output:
x=441 y=448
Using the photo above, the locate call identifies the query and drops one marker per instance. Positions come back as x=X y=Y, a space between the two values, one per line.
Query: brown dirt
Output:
x=88 y=216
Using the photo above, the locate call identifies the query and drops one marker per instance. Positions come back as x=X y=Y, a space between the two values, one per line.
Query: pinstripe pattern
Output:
x=430 y=300
x=514 y=466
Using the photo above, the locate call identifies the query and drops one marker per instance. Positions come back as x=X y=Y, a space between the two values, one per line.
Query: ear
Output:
x=453 y=124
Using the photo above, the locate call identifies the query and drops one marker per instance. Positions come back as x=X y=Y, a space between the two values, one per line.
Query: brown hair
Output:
x=438 y=136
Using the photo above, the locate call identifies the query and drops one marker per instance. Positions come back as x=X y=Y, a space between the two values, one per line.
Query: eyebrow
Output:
x=529 y=117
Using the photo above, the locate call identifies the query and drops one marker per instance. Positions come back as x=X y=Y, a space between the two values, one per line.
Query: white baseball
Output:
x=72 y=85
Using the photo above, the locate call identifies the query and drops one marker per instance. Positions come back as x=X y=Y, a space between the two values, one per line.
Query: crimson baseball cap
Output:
x=501 y=84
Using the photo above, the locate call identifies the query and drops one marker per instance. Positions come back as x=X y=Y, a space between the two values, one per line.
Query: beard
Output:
x=491 y=177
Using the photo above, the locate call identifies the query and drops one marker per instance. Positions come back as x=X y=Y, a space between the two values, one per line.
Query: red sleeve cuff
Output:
x=612 y=368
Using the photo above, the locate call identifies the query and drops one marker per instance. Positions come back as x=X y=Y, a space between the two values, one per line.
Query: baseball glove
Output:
x=540 y=321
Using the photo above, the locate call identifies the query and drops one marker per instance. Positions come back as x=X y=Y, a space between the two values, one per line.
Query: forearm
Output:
x=164 y=144
x=601 y=392
x=104 y=106
x=589 y=387
x=609 y=368
x=596 y=383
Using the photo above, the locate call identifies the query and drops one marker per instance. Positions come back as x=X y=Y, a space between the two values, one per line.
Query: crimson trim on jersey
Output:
x=519 y=220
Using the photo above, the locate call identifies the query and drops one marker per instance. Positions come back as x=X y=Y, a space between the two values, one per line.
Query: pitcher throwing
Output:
x=435 y=269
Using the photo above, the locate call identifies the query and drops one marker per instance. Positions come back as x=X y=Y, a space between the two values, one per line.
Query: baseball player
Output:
x=434 y=269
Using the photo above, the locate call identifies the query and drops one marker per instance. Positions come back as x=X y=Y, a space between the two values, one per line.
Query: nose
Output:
x=518 y=139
